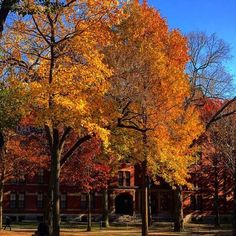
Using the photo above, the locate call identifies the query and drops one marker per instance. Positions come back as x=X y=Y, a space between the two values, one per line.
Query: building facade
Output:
x=25 y=198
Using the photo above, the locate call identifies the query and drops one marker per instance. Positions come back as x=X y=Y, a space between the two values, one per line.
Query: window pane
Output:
x=127 y=178
x=21 y=196
x=120 y=178
x=40 y=200
x=83 y=201
x=21 y=200
x=13 y=196
x=13 y=200
x=63 y=200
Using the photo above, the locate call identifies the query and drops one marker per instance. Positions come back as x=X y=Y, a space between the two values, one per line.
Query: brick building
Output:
x=25 y=197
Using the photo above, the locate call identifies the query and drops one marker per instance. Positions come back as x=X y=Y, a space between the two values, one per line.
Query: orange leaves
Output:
x=86 y=63
x=151 y=62
x=150 y=87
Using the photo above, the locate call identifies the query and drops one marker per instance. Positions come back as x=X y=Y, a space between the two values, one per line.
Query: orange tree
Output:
x=150 y=88
x=55 y=53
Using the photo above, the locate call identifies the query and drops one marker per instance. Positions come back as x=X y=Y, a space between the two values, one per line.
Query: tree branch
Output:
x=72 y=150
x=49 y=136
x=215 y=117
x=64 y=136
x=134 y=127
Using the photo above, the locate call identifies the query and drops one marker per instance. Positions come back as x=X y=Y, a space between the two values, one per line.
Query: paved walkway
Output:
x=163 y=229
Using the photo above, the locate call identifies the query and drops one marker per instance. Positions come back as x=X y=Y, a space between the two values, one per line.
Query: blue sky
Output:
x=210 y=16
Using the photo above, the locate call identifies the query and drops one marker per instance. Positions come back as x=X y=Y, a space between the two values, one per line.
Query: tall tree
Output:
x=207 y=73
x=11 y=104
x=149 y=86
x=208 y=79
x=223 y=137
x=56 y=54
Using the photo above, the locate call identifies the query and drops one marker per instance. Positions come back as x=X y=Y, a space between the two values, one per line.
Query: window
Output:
x=83 y=201
x=13 y=200
x=63 y=200
x=124 y=178
x=21 y=179
x=21 y=200
x=14 y=180
x=196 y=201
x=127 y=178
x=120 y=178
x=40 y=200
x=41 y=176
x=93 y=202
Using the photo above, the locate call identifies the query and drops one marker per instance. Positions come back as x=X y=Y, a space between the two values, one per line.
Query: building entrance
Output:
x=124 y=204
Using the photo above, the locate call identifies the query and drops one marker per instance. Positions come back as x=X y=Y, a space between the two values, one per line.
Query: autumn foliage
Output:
x=90 y=68
x=150 y=86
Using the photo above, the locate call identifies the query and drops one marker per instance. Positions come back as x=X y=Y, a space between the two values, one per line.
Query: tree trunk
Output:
x=89 y=225
x=144 y=199
x=149 y=203
x=225 y=190
x=56 y=192
x=2 y=175
x=48 y=214
x=105 y=217
x=178 y=224
x=1 y=203
x=216 y=193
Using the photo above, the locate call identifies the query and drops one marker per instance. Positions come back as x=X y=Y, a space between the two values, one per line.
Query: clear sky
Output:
x=210 y=16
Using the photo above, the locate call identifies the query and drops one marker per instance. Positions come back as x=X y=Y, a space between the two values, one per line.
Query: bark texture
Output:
x=105 y=209
x=178 y=224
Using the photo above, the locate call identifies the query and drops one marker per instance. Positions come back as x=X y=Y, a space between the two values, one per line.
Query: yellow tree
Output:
x=150 y=87
x=55 y=52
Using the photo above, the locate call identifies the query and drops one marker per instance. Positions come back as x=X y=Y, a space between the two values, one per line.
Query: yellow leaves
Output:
x=77 y=106
x=69 y=83
x=148 y=63
x=101 y=133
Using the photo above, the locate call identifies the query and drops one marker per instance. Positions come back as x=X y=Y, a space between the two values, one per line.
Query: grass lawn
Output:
x=162 y=229
x=94 y=233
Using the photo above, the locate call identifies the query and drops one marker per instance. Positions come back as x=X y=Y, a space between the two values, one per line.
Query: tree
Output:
x=11 y=111
x=208 y=79
x=56 y=54
x=223 y=136
x=149 y=86
x=207 y=73
x=87 y=171
x=215 y=168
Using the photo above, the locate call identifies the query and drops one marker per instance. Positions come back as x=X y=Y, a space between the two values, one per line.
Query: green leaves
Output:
x=11 y=106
